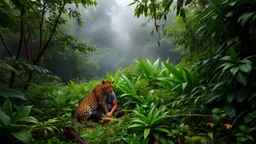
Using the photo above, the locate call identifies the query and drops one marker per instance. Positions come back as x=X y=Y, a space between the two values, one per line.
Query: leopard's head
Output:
x=107 y=86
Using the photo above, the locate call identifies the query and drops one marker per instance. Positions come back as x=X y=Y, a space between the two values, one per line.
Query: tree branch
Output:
x=41 y=28
x=26 y=41
x=5 y=46
x=21 y=31
x=50 y=37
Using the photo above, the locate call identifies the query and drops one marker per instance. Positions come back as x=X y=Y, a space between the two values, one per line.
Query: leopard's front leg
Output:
x=103 y=106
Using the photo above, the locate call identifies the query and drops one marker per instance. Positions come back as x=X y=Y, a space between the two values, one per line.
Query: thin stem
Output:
x=5 y=46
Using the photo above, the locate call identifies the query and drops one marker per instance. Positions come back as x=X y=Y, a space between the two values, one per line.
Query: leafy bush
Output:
x=150 y=122
x=12 y=118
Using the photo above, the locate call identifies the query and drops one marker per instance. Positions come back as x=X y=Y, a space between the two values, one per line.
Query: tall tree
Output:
x=37 y=23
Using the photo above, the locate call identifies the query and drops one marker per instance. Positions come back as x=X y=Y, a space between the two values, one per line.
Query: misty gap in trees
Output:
x=115 y=34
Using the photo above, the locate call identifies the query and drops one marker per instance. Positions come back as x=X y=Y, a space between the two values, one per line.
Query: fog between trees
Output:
x=118 y=36
x=112 y=27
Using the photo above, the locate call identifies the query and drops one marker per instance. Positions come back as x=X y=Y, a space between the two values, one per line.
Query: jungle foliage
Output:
x=208 y=98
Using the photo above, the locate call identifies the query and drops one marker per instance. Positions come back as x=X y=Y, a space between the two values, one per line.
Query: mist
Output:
x=119 y=37
x=116 y=34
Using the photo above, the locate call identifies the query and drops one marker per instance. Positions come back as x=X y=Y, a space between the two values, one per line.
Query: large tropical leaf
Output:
x=21 y=113
x=145 y=67
x=23 y=135
x=7 y=108
x=246 y=18
x=12 y=93
x=129 y=87
x=4 y=119
x=177 y=74
x=146 y=133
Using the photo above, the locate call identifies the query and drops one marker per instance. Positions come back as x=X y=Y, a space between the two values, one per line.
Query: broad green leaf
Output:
x=239 y=134
x=231 y=41
x=210 y=134
x=4 y=119
x=30 y=119
x=216 y=118
x=136 y=125
x=242 y=95
x=194 y=77
x=162 y=130
x=16 y=127
x=12 y=93
x=155 y=65
x=132 y=3
x=219 y=84
x=50 y=121
x=151 y=113
x=117 y=75
x=23 y=135
x=245 y=18
x=227 y=66
x=246 y=68
x=249 y=130
x=146 y=133
x=233 y=54
x=139 y=121
x=188 y=77
x=243 y=128
x=130 y=85
x=21 y=113
x=7 y=108
x=243 y=139
x=161 y=117
x=226 y=58
x=231 y=96
x=177 y=74
x=242 y=78
x=229 y=14
x=214 y=97
x=246 y=61
x=250 y=137
x=51 y=129
x=234 y=70
x=230 y=110
x=145 y=67
x=233 y=3
x=167 y=5
x=109 y=77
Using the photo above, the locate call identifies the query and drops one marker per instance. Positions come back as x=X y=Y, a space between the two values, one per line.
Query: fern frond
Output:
x=199 y=139
x=4 y=65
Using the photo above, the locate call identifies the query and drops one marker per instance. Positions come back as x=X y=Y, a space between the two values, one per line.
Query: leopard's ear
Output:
x=103 y=82
x=113 y=82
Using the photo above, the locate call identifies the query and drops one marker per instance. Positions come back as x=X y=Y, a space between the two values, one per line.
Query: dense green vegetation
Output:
x=209 y=97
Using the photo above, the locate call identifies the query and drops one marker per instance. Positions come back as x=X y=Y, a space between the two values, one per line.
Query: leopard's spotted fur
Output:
x=93 y=100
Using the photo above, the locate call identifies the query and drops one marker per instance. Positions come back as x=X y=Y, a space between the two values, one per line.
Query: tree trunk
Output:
x=22 y=11
x=45 y=47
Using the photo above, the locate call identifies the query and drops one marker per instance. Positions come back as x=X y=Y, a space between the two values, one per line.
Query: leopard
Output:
x=94 y=100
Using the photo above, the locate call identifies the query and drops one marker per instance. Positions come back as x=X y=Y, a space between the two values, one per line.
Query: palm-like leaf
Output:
x=175 y=72
x=43 y=126
x=150 y=121
x=150 y=71
x=128 y=88
x=115 y=78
